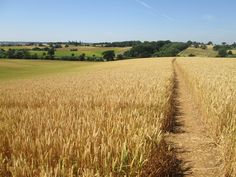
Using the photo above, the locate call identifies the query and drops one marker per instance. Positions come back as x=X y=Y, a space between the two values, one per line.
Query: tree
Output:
x=196 y=45
x=109 y=55
x=234 y=45
x=210 y=43
x=34 y=56
x=2 y=53
x=230 y=52
x=51 y=52
x=120 y=57
x=223 y=43
x=19 y=54
x=82 y=57
x=171 y=49
x=222 y=52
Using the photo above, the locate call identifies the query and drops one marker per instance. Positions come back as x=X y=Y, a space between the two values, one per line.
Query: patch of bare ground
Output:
x=195 y=151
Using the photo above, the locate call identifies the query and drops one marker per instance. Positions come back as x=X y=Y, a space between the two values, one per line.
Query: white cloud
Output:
x=144 y=4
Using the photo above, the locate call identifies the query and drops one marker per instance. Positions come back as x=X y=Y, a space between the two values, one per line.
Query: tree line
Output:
x=225 y=50
x=50 y=55
x=156 y=49
x=138 y=50
x=118 y=44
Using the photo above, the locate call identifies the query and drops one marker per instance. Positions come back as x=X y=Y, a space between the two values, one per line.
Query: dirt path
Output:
x=196 y=152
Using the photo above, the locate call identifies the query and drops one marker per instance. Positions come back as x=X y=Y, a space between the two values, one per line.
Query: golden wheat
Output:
x=213 y=82
x=106 y=122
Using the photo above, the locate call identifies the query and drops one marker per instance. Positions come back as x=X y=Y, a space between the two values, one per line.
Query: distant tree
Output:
x=224 y=43
x=51 y=45
x=19 y=54
x=120 y=57
x=210 y=43
x=191 y=55
x=75 y=49
x=2 y=53
x=189 y=43
x=45 y=49
x=171 y=49
x=82 y=57
x=36 y=49
x=72 y=54
x=66 y=45
x=196 y=45
x=230 y=52
x=10 y=53
x=222 y=52
x=109 y=55
x=51 y=53
x=57 y=46
x=217 y=47
x=34 y=56
x=234 y=45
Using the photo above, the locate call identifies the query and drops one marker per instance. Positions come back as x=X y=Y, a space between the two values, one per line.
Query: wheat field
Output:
x=112 y=119
x=212 y=81
x=104 y=122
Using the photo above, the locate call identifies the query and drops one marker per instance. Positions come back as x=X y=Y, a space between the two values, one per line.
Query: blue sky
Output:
x=118 y=20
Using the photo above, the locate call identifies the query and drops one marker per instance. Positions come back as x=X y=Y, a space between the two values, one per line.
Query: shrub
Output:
x=222 y=52
x=230 y=52
x=109 y=55
x=191 y=55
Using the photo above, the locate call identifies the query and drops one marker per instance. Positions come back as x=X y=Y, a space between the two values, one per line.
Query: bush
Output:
x=230 y=52
x=192 y=55
x=36 y=49
x=51 y=53
x=222 y=52
x=72 y=50
x=120 y=57
x=82 y=57
x=109 y=55
x=17 y=54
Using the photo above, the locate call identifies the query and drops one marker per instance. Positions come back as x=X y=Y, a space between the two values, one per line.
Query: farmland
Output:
x=214 y=90
x=75 y=124
x=199 y=52
x=68 y=51
x=136 y=117
x=19 y=69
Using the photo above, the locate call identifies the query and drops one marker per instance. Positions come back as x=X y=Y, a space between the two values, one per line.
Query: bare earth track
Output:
x=195 y=151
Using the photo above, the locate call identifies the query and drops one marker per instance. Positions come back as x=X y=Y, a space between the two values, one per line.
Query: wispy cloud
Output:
x=167 y=17
x=154 y=10
x=209 y=17
x=144 y=4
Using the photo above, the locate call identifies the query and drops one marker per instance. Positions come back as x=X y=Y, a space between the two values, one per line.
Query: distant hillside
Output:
x=199 y=52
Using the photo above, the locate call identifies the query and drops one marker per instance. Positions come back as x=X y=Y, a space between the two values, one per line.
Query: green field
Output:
x=234 y=51
x=62 y=52
x=198 y=52
x=17 y=69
